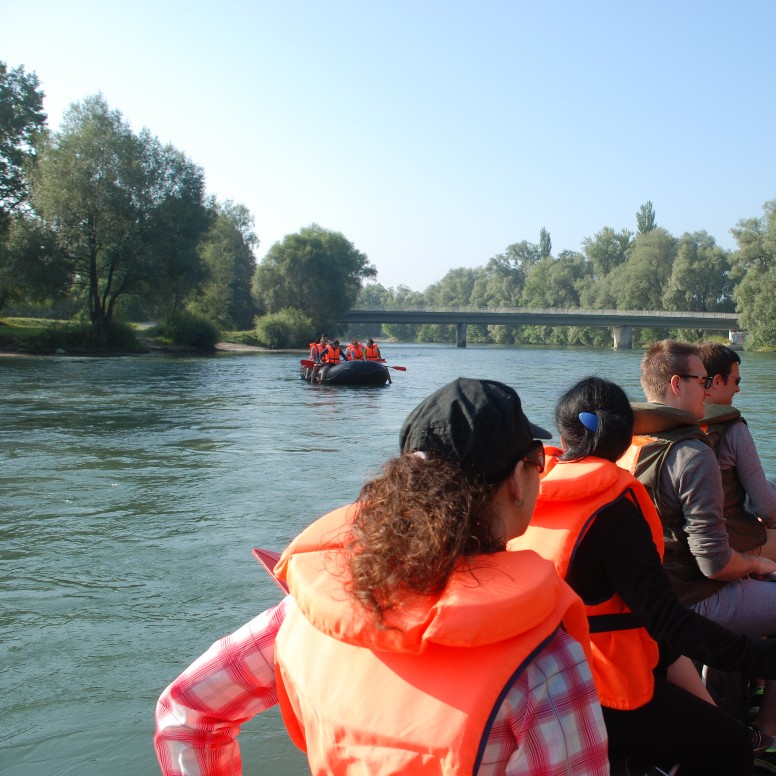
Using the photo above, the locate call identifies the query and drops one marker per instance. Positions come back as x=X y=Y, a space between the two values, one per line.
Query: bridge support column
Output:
x=460 y=335
x=623 y=337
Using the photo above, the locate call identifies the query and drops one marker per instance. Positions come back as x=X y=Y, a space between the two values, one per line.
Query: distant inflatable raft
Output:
x=355 y=373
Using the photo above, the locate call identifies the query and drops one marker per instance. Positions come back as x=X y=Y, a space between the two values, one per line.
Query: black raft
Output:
x=354 y=373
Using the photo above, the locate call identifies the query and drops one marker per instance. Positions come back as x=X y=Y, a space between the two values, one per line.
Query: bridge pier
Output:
x=623 y=337
x=460 y=335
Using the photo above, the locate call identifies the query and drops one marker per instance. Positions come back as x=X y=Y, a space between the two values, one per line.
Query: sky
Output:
x=433 y=134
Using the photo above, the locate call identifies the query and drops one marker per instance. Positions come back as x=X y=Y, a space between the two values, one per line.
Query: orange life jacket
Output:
x=419 y=696
x=571 y=495
x=372 y=353
x=316 y=348
x=331 y=355
x=356 y=351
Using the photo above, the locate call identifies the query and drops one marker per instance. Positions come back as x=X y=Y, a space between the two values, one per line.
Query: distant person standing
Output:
x=372 y=352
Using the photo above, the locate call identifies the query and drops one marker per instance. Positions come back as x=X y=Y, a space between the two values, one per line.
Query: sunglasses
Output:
x=535 y=455
x=705 y=379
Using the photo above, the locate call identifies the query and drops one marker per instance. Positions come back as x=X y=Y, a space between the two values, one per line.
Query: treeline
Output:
x=644 y=269
x=101 y=225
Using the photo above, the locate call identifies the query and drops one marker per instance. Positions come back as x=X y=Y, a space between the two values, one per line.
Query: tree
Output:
x=227 y=254
x=700 y=276
x=316 y=271
x=22 y=122
x=607 y=249
x=523 y=255
x=639 y=283
x=755 y=265
x=126 y=210
x=31 y=266
x=545 y=243
x=455 y=288
x=645 y=218
x=553 y=282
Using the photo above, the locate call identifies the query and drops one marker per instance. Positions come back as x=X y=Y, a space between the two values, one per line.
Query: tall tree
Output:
x=545 y=243
x=754 y=265
x=227 y=253
x=607 y=249
x=126 y=210
x=639 y=284
x=523 y=255
x=22 y=122
x=455 y=288
x=645 y=218
x=316 y=271
x=700 y=277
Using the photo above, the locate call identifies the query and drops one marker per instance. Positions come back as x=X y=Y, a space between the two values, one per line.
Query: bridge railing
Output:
x=545 y=311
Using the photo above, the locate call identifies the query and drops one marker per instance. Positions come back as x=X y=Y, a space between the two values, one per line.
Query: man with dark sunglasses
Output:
x=750 y=498
x=674 y=459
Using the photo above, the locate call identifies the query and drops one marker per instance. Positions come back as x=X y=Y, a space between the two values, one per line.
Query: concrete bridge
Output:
x=620 y=321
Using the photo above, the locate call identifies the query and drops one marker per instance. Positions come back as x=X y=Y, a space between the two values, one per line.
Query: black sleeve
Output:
x=618 y=554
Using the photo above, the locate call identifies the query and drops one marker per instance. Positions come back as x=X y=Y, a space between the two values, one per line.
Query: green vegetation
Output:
x=101 y=225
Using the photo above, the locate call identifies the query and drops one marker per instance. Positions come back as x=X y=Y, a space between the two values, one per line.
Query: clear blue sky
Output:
x=434 y=134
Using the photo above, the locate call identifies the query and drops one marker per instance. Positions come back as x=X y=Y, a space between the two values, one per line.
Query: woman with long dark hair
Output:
x=595 y=521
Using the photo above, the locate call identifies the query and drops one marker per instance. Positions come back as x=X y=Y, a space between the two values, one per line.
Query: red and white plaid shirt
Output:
x=549 y=723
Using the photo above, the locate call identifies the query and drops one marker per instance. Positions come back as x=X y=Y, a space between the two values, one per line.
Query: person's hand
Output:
x=765 y=570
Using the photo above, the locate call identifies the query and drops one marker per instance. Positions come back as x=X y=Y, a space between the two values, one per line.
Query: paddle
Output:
x=399 y=368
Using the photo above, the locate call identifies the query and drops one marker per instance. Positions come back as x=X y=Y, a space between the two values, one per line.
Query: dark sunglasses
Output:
x=535 y=455
x=705 y=379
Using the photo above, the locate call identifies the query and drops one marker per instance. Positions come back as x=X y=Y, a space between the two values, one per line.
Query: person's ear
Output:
x=675 y=385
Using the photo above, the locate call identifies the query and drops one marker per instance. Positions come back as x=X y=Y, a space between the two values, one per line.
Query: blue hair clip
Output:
x=589 y=420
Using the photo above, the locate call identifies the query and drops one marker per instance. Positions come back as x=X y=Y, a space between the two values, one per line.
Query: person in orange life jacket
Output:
x=330 y=356
x=355 y=351
x=316 y=348
x=372 y=352
x=749 y=495
x=674 y=459
x=411 y=641
x=596 y=522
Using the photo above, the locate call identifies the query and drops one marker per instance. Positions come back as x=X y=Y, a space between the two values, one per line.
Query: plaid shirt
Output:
x=549 y=723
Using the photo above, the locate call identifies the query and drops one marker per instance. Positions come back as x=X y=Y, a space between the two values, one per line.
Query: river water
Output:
x=133 y=490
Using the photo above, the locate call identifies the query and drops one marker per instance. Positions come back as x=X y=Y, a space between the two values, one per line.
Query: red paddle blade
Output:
x=306 y=362
x=400 y=368
x=268 y=559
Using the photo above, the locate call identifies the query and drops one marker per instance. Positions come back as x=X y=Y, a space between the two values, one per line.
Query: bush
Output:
x=185 y=328
x=47 y=337
x=288 y=328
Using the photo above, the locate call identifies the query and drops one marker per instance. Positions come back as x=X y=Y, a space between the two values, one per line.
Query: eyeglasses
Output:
x=535 y=455
x=705 y=379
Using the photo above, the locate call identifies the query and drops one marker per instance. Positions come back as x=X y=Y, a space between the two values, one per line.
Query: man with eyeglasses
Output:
x=672 y=456
x=742 y=473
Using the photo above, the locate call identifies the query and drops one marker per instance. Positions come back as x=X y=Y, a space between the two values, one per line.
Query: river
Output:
x=134 y=488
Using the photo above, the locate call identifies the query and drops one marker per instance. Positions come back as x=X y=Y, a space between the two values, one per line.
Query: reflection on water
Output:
x=134 y=488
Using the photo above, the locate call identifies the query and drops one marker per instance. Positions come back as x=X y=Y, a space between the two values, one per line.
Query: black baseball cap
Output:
x=478 y=424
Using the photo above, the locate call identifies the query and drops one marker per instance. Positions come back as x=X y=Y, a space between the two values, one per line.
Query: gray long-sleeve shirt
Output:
x=737 y=450
x=691 y=482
